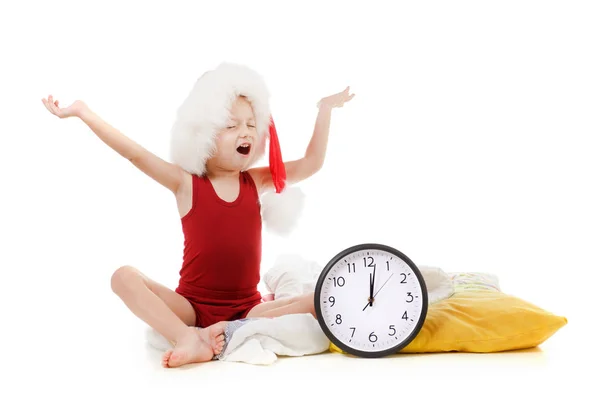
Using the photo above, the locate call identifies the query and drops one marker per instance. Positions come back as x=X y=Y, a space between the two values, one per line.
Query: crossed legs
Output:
x=171 y=315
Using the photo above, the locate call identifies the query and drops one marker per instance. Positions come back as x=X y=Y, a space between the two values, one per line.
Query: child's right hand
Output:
x=74 y=110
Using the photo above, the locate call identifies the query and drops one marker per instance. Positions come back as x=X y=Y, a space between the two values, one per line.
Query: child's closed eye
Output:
x=234 y=126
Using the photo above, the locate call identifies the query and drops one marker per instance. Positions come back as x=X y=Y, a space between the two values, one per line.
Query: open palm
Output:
x=71 y=111
x=336 y=100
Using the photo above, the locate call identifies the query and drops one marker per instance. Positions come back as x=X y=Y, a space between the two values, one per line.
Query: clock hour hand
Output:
x=372 y=298
x=371 y=284
x=371 y=287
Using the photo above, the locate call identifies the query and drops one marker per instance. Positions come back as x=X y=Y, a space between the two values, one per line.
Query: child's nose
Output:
x=246 y=132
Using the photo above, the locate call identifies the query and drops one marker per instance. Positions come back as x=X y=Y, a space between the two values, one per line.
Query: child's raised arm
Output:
x=167 y=174
x=303 y=168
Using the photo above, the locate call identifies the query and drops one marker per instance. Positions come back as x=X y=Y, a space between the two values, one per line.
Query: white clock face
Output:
x=389 y=319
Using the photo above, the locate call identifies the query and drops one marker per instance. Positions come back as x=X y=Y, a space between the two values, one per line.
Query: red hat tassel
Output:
x=275 y=161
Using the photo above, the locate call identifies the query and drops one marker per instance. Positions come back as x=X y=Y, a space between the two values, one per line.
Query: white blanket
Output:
x=260 y=341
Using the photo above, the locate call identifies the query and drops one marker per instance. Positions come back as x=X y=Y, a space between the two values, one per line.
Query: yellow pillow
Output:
x=482 y=321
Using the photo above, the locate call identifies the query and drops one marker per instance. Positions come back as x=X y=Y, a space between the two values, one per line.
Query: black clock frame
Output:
x=321 y=320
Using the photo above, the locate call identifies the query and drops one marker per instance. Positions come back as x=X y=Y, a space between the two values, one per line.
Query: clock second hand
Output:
x=386 y=281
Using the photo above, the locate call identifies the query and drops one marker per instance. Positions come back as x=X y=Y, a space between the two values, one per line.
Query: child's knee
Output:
x=122 y=278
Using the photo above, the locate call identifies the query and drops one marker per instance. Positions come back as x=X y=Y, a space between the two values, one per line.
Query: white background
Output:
x=471 y=145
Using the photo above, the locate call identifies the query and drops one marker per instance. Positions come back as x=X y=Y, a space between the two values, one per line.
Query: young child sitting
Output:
x=220 y=132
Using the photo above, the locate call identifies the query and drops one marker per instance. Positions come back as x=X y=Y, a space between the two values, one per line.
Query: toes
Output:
x=219 y=344
x=165 y=358
x=219 y=341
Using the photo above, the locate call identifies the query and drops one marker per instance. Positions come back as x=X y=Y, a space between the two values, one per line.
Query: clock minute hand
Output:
x=371 y=284
x=370 y=303
x=371 y=296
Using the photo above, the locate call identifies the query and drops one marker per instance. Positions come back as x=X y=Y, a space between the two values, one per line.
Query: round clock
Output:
x=371 y=300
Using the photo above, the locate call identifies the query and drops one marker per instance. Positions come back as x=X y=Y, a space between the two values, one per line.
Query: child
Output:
x=220 y=132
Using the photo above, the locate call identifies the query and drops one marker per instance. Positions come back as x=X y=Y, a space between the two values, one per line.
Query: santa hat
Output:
x=206 y=110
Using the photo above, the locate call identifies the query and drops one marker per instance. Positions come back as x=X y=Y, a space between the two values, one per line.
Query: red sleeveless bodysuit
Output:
x=222 y=252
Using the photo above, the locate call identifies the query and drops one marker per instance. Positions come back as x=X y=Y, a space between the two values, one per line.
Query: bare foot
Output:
x=191 y=348
x=213 y=335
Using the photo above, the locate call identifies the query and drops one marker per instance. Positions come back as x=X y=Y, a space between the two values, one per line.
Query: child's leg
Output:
x=293 y=305
x=170 y=314
x=161 y=308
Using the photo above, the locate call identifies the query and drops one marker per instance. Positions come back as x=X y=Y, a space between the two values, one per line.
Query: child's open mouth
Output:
x=244 y=149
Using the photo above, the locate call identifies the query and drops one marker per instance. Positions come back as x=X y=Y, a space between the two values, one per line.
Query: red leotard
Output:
x=222 y=252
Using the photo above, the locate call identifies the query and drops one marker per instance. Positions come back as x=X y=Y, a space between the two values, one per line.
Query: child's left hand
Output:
x=336 y=100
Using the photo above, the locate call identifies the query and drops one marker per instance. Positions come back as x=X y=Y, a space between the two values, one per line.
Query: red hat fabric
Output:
x=275 y=159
